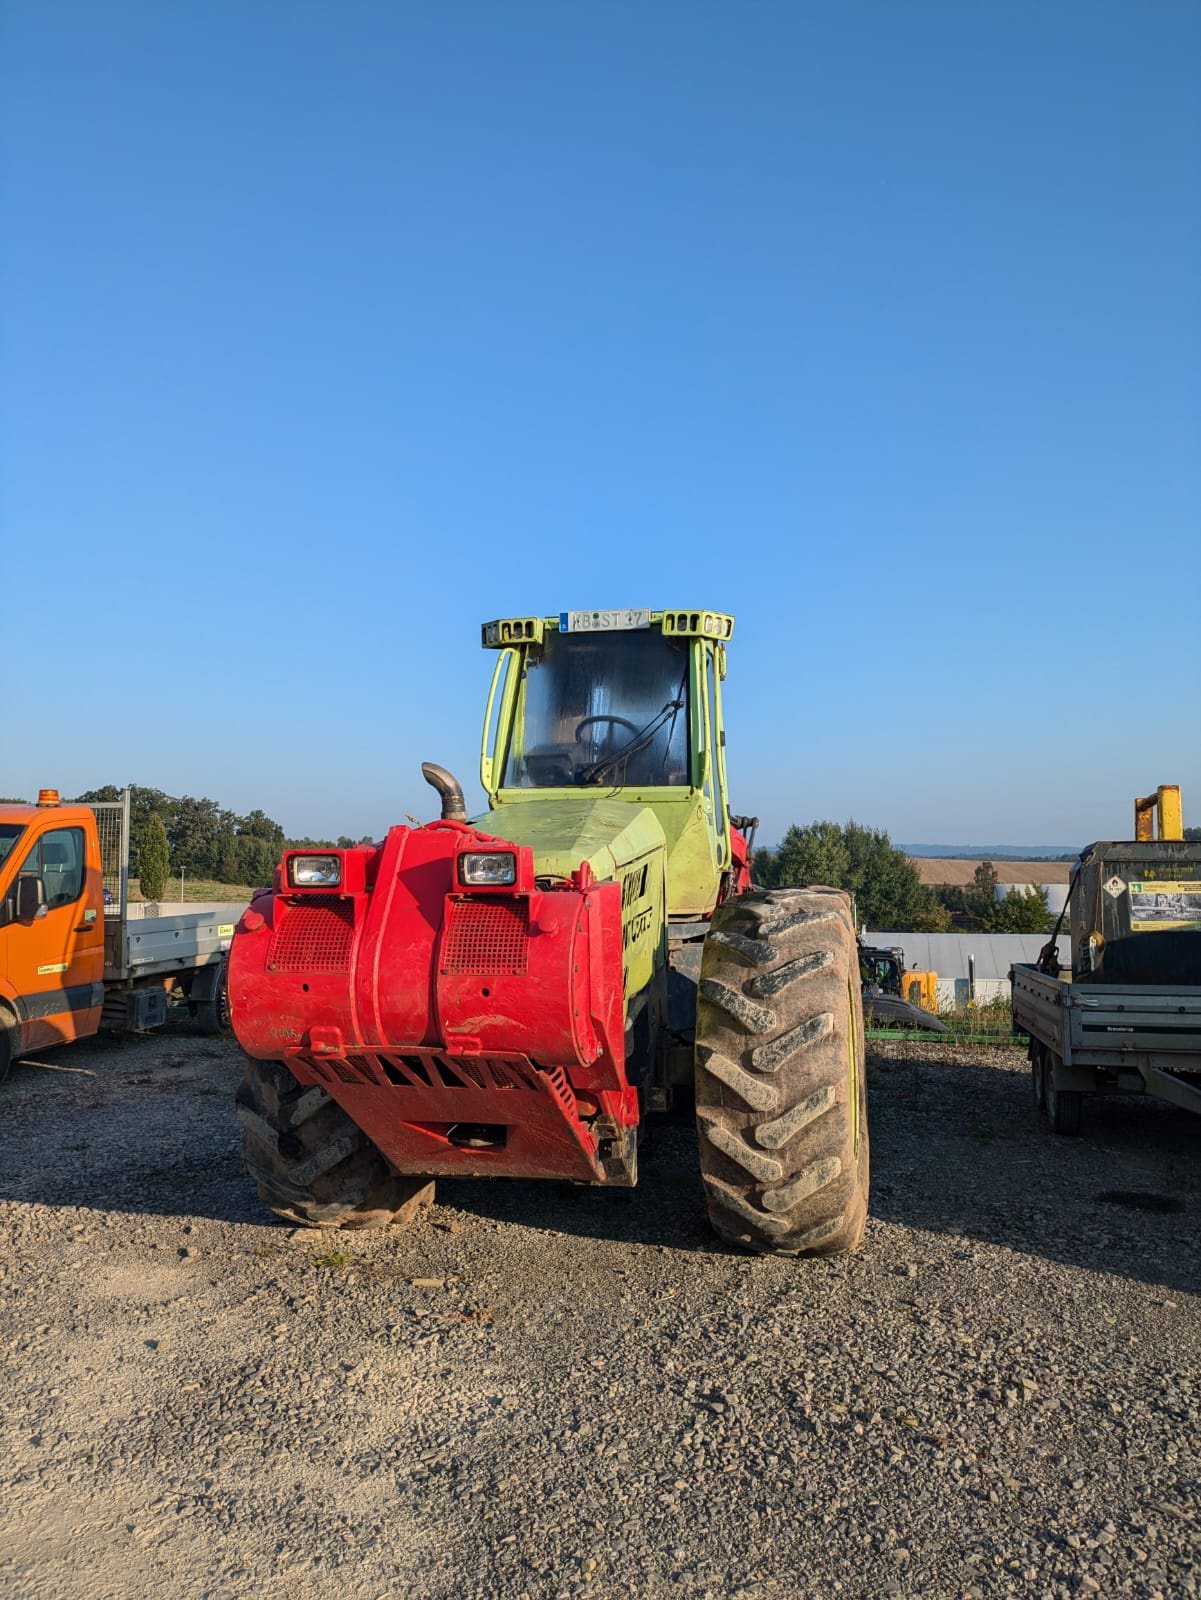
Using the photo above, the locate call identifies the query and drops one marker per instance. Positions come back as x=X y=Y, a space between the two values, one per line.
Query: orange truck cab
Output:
x=51 y=923
x=74 y=955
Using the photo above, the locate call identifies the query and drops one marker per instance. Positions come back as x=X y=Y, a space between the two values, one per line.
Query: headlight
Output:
x=315 y=872
x=485 y=867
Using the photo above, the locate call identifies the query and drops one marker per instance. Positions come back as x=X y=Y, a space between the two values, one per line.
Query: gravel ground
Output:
x=549 y=1392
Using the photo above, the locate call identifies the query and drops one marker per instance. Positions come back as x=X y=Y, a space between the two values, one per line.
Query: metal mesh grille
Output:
x=487 y=937
x=314 y=936
x=108 y=825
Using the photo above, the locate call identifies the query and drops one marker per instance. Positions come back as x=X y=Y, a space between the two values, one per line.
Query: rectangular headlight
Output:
x=315 y=872
x=488 y=867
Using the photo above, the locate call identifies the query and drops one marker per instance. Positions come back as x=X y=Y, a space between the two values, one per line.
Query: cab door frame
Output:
x=715 y=798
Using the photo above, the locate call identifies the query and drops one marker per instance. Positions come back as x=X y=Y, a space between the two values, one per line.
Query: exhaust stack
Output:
x=454 y=808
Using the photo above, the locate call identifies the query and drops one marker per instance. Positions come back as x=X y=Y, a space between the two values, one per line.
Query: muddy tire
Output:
x=781 y=1103
x=310 y=1162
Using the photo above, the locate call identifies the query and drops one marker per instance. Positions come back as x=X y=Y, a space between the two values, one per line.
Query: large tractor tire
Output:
x=312 y=1164
x=781 y=1102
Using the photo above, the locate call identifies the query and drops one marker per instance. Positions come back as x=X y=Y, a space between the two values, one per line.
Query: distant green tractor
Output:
x=512 y=996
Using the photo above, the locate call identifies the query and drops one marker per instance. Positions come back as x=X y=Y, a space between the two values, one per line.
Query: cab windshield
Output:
x=608 y=709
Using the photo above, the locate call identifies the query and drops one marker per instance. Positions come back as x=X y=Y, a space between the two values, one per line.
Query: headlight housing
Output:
x=315 y=872
x=488 y=868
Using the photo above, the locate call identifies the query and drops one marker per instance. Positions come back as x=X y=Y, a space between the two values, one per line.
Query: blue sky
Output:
x=330 y=330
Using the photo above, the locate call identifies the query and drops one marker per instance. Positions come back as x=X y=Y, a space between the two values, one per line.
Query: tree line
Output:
x=179 y=833
x=887 y=887
x=201 y=838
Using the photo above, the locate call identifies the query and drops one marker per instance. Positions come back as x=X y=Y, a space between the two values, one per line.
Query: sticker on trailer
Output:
x=1115 y=886
x=601 y=621
x=225 y=931
x=1163 y=905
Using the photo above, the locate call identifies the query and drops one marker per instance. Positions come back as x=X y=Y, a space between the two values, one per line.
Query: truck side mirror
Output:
x=30 y=897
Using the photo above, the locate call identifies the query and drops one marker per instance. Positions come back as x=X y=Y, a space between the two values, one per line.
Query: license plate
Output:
x=601 y=621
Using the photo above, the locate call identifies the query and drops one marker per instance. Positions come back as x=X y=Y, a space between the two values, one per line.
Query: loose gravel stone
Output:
x=548 y=1391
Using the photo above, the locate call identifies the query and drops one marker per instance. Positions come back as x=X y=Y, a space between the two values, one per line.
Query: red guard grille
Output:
x=314 y=936
x=487 y=937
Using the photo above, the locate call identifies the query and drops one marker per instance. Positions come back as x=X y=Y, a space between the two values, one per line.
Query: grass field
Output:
x=195 y=889
x=986 y=1019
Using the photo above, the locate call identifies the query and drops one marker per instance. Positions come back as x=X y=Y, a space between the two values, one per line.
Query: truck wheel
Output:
x=213 y=1014
x=311 y=1163
x=1038 y=1072
x=781 y=1102
x=1064 y=1106
x=10 y=1041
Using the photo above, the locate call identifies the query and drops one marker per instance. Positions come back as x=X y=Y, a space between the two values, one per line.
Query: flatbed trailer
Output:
x=1107 y=1039
x=147 y=957
x=1125 y=1016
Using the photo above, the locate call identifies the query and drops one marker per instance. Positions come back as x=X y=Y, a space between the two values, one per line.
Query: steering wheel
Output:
x=623 y=722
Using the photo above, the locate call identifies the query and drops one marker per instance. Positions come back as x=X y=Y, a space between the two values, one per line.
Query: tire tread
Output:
x=785 y=1169
x=311 y=1164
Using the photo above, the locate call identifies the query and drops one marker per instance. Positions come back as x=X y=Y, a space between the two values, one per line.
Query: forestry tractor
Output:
x=894 y=995
x=512 y=995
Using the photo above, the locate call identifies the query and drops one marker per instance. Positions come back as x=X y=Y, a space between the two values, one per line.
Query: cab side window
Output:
x=57 y=858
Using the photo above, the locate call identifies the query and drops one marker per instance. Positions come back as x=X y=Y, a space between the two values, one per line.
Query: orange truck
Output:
x=75 y=956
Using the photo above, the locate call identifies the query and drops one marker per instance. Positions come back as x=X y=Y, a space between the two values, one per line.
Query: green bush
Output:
x=888 y=891
x=154 y=858
x=1021 y=911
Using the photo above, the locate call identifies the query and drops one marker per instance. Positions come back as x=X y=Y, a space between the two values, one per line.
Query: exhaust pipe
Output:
x=454 y=808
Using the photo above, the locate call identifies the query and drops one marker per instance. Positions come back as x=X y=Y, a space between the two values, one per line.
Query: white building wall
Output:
x=947 y=955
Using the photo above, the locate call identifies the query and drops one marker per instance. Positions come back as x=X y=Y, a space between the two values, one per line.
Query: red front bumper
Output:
x=465 y=1033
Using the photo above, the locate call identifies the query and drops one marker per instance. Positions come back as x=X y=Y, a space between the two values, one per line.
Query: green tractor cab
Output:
x=614 y=706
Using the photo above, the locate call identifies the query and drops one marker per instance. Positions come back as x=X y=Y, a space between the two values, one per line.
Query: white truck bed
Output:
x=169 y=941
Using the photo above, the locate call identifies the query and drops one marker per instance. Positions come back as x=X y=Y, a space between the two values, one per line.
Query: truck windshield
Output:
x=605 y=709
x=10 y=832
